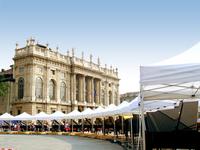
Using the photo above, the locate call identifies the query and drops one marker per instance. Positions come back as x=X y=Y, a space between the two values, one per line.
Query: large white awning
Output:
x=23 y=116
x=6 y=116
x=174 y=78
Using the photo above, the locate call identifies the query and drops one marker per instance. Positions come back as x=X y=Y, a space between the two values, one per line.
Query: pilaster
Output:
x=83 y=89
x=113 y=93
x=32 y=82
x=58 y=100
x=92 y=90
x=46 y=84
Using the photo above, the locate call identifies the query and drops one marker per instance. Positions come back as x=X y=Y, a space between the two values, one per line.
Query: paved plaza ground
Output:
x=54 y=142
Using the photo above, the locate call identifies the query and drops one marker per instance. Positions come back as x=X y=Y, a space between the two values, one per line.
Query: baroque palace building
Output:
x=46 y=80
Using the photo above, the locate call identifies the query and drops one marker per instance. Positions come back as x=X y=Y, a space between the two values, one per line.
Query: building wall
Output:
x=85 y=81
x=128 y=96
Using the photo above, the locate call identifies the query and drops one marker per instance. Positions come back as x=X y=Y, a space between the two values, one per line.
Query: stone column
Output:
x=32 y=87
x=86 y=90
x=68 y=88
x=58 y=100
x=118 y=97
x=83 y=89
x=97 y=88
x=73 y=87
x=27 y=83
x=106 y=94
x=46 y=85
x=89 y=90
x=99 y=91
x=113 y=94
x=92 y=90
x=80 y=90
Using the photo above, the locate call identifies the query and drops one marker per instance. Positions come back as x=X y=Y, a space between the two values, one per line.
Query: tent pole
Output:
x=59 y=129
x=103 y=126
x=26 y=125
x=92 y=125
x=179 y=117
x=139 y=136
x=132 y=135
x=42 y=126
x=10 y=125
x=82 y=126
x=114 y=129
x=72 y=125
x=122 y=125
x=142 y=117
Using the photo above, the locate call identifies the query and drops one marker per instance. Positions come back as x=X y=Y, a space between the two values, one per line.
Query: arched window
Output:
x=52 y=90
x=38 y=88
x=110 y=97
x=63 y=91
x=21 y=88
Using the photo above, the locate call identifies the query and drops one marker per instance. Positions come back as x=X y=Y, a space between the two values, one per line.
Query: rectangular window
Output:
x=53 y=72
x=39 y=69
x=18 y=112
x=62 y=75
x=21 y=69
x=53 y=111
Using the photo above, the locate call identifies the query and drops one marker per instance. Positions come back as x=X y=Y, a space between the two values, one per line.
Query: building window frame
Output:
x=39 y=88
x=20 y=88
x=52 y=89
x=63 y=91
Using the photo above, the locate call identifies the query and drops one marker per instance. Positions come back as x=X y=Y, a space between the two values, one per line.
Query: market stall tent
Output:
x=6 y=116
x=174 y=78
x=58 y=115
x=105 y=112
x=85 y=114
x=41 y=116
x=95 y=112
x=23 y=116
x=73 y=114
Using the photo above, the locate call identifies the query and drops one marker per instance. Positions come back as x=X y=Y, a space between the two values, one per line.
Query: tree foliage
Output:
x=4 y=86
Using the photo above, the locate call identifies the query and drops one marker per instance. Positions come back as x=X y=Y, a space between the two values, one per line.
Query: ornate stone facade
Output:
x=46 y=80
x=128 y=96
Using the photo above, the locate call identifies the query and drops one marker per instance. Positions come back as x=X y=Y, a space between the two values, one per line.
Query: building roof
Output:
x=4 y=72
x=42 y=46
x=6 y=75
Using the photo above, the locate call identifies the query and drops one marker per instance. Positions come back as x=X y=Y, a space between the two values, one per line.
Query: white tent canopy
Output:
x=72 y=115
x=134 y=106
x=177 y=77
x=23 y=116
x=41 y=116
x=95 y=112
x=58 y=115
x=116 y=110
x=85 y=114
x=105 y=112
x=174 y=78
x=6 y=116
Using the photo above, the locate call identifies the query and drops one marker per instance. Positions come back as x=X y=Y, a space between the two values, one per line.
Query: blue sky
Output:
x=123 y=33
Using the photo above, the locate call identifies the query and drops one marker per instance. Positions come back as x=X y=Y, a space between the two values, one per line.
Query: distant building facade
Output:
x=46 y=80
x=128 y=96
